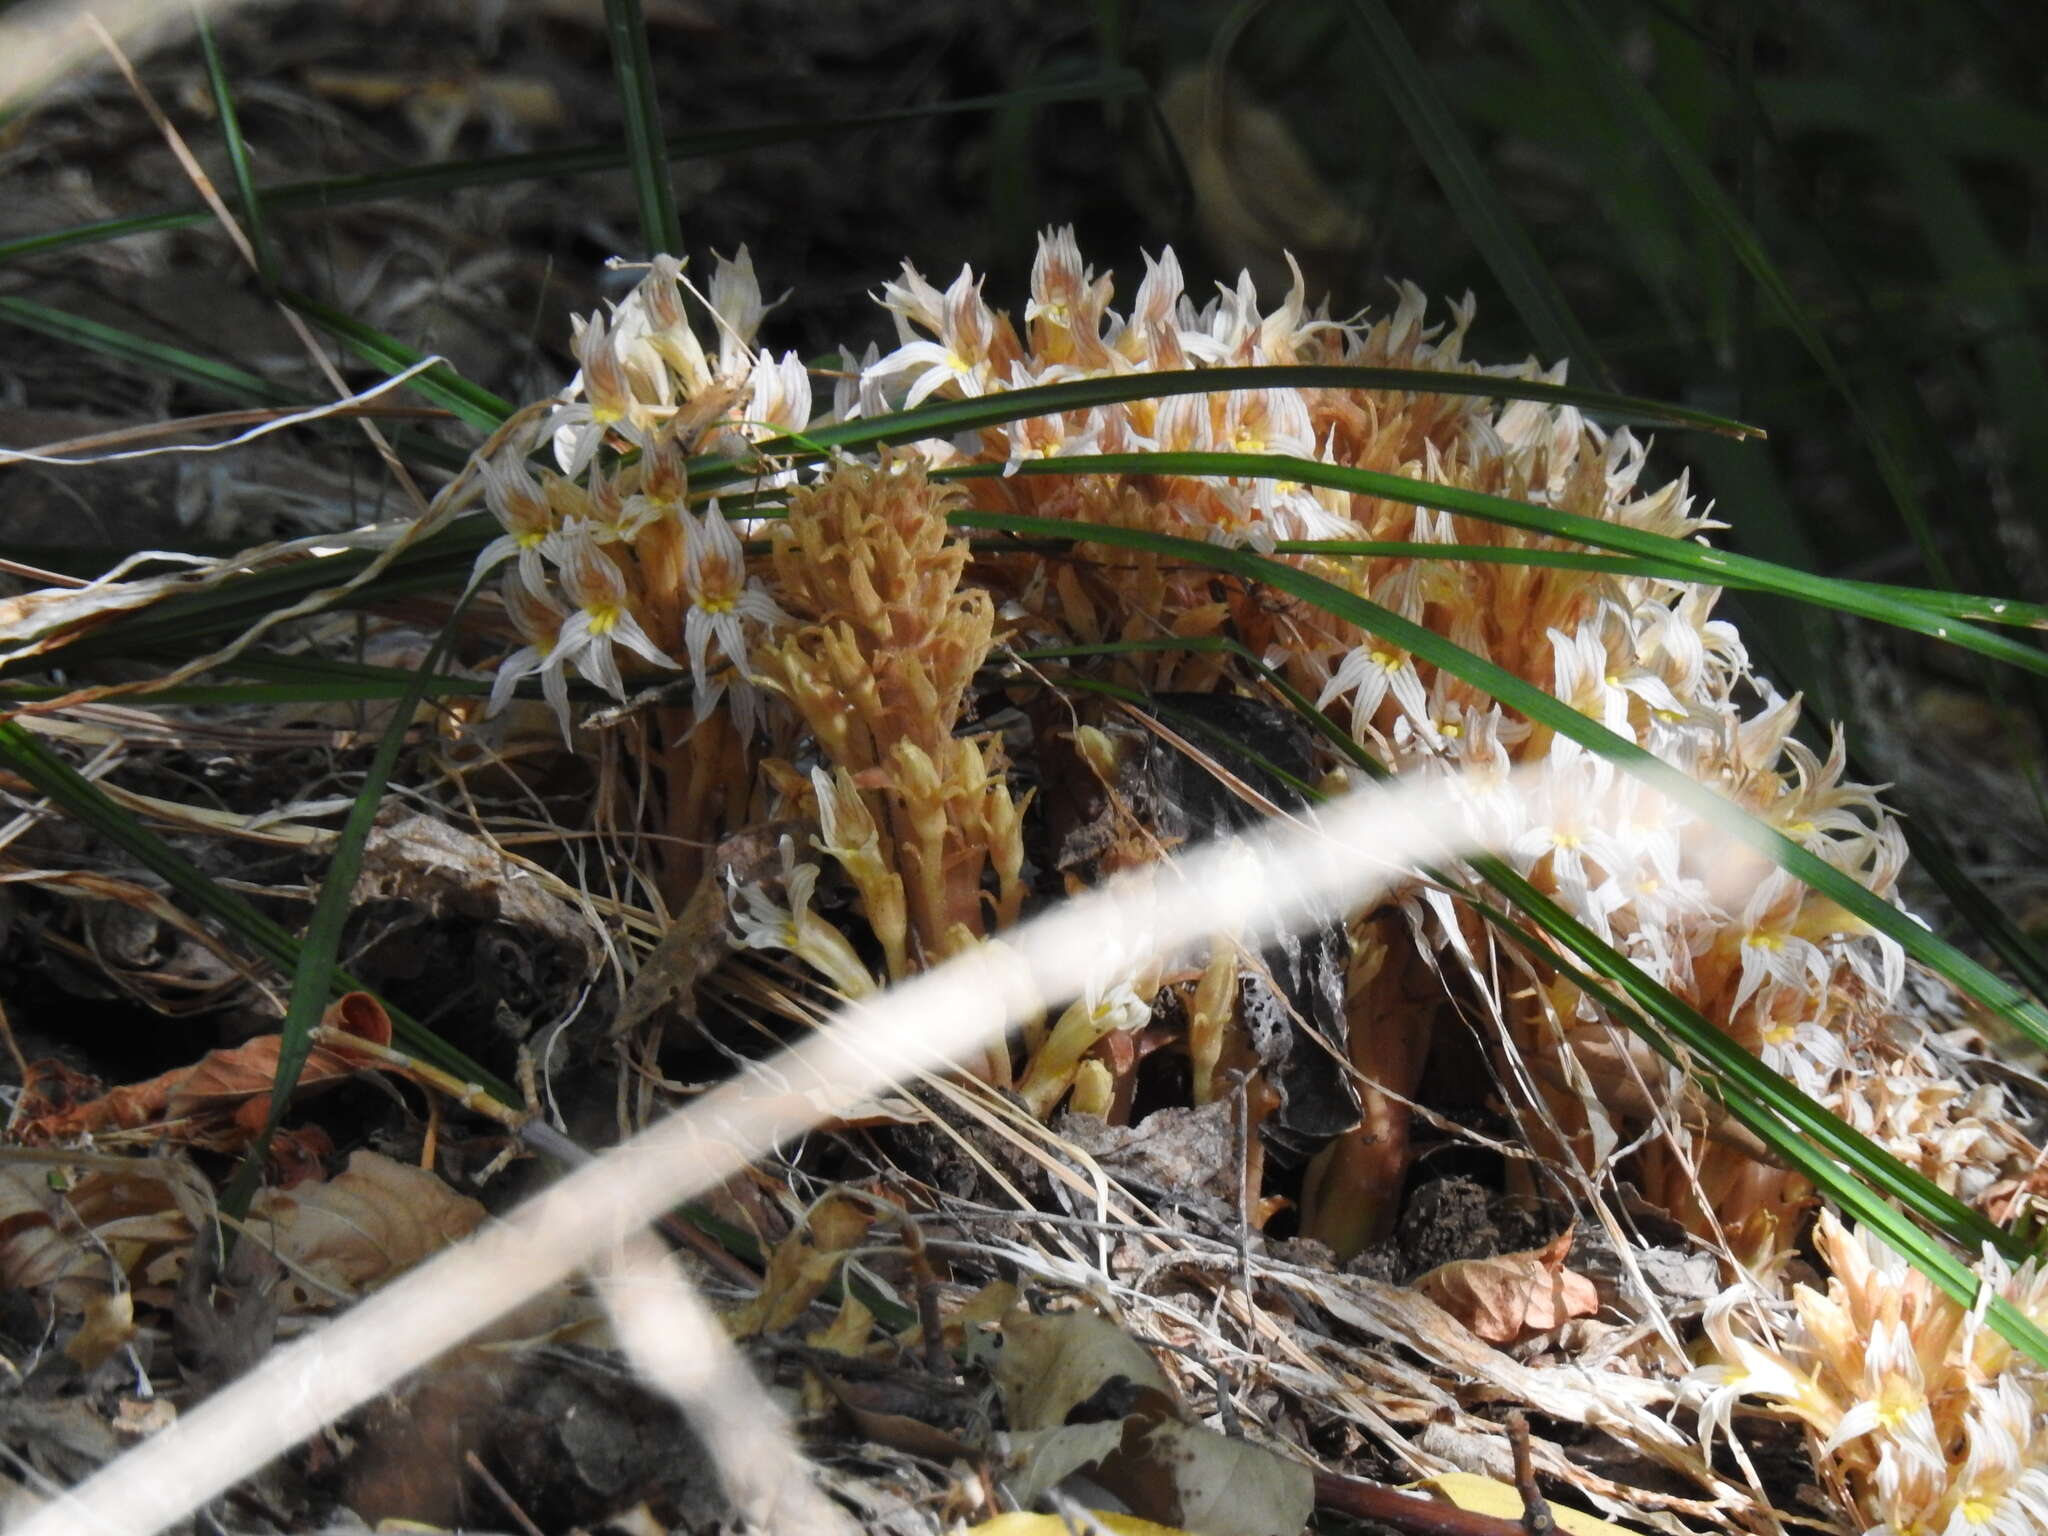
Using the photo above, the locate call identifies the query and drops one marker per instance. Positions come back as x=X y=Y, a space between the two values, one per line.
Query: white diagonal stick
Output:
x=1285 y=875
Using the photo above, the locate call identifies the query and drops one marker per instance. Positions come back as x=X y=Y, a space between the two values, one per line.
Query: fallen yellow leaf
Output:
x=1490 y=1496
x=1056 y=1525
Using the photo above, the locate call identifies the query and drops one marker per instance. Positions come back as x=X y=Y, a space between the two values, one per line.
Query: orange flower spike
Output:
x=1004 y=820
x=852 y=674
x=1053 y=1066
x=566 y=499
x=1210 y=1012
x=922 y=800
x=656 y=512
x=807 y=682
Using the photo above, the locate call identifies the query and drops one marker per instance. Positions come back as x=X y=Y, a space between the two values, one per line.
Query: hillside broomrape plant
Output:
x=833 y=654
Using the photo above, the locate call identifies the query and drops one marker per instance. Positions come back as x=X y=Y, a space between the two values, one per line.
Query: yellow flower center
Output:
x=603 y=620
x=1899 y=1401
x=1759 y=939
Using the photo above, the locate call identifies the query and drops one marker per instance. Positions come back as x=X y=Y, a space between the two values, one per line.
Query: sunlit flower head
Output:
x=722 y=599
x=961 y=353
x=764 y=923
x=521 y=507
x=601 y=618
x=538 y=618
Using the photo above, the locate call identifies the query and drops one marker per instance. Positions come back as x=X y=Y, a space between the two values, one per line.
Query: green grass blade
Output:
x=177 y=626
x=158 y=357
x=946 y=417
x=254 y=224
x=1726 y=220
x=1975 y=125
x=184 y=621
x=1812 y=1140
x=1732 y=1066
x=1850 y=1187
x=1486 y=218
x=1711 y=566
x=1960 y=970
x=315 y=975
x=441 y=384
x=1981 y=914
x=1955 y=605
x=1727 y=1064
x=171 y=362
x=244 y=695
x=646 y=150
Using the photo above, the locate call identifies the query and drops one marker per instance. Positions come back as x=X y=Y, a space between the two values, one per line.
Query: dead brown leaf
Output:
x=218 y=1103
x=354 y=1232
x=450 y=872
x=1513 y=1295
x=803 y=1265
x=335 y=1239
x=64 y=1238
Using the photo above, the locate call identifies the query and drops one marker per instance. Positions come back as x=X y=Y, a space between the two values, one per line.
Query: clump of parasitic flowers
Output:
x=851 y=654
x=1924 y=1420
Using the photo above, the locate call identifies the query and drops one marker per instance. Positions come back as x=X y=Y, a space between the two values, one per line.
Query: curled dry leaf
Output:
x=1132 y=1439
x=1053 y=1363
x=1513 y=1295
x=336 y=1239
x=803 y=1265
x=360 y=1228
x=218 y=1103
x=64 y=1240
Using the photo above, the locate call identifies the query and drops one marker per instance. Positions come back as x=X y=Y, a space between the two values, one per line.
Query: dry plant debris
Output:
x=1083 y=1398
x=844 y=739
